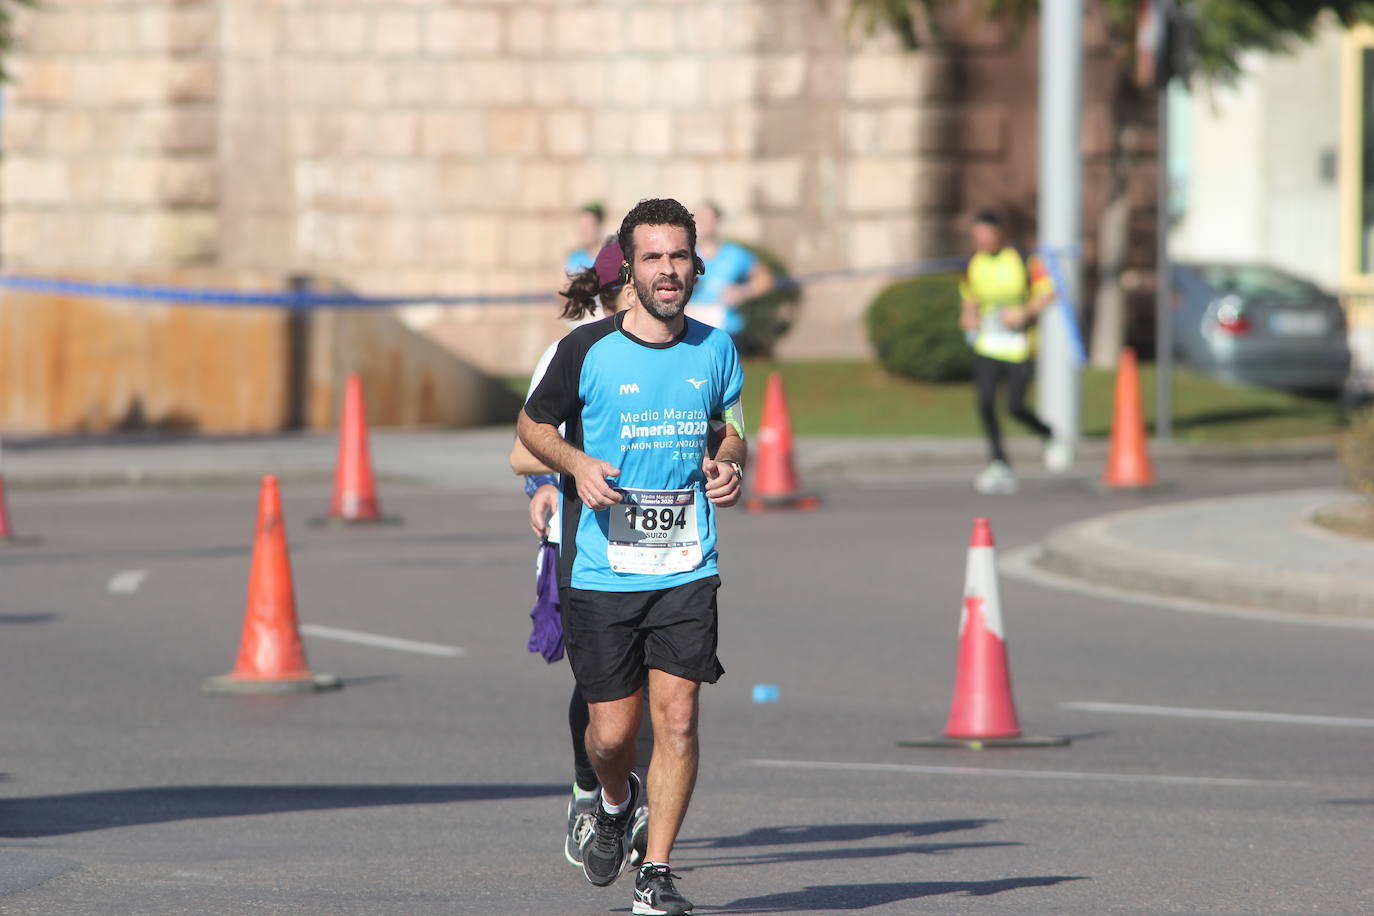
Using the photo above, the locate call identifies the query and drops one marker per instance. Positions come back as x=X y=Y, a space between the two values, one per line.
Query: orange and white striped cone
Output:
x=982 y=713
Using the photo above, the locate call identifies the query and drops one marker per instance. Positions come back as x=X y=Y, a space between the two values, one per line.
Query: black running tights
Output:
x=988 y=373
x=578 y=719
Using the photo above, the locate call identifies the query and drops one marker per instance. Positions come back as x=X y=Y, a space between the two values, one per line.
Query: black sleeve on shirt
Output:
x=558 y=397
x=555 y=398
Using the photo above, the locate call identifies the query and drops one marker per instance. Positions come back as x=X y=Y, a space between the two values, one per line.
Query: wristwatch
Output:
x=739 y=471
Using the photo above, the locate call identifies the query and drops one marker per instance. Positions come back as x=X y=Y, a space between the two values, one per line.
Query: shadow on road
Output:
x=56 y=815
x=27 y=618
x=829 y=834
x=864 y=896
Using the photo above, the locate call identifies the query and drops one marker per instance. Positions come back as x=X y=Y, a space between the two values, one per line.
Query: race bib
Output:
x=654 y=532
x=997 y=340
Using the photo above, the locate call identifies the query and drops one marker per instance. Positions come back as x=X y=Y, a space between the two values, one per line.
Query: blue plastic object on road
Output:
x=765 y=693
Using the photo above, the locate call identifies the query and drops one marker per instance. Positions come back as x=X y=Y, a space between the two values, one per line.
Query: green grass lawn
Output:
x=860 y=399
x=856 y=398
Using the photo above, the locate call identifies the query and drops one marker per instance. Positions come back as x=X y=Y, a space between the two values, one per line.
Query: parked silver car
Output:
x=1255 y=325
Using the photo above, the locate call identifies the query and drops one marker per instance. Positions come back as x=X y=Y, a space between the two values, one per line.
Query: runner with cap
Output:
x=598 y=284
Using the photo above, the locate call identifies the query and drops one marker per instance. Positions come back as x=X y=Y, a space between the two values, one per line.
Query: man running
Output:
x=642 y=392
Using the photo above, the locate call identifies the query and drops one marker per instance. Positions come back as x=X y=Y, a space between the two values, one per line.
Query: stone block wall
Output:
x=110 y=138
x=442 y=145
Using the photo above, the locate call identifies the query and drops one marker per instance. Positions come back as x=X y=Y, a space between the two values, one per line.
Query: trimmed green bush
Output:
x=768 y=317
x=914 y=327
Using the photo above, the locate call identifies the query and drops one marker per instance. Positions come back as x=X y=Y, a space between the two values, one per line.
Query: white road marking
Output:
x=1019 y=774
x=1230 y=715
x=382 y=642
x=126 y=582
x=1018 y=564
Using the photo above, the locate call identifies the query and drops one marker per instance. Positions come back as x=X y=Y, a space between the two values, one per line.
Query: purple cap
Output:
x=608 y=263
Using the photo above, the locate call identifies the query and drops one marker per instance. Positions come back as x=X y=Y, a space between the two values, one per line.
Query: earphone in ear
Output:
x=699 y=264
x=624 y=272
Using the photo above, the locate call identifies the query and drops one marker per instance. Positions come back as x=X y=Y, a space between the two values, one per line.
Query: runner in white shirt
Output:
x=597 y=284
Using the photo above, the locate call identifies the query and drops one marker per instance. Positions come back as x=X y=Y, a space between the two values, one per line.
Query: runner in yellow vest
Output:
x=1002 y=295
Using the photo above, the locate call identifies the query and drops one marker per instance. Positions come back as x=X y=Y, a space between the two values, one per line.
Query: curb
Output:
x=815 y=455
x=1089 y=551
x=826 y=454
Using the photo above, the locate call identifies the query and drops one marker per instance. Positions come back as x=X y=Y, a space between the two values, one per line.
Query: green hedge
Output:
x=914 y=327
x=768 y=317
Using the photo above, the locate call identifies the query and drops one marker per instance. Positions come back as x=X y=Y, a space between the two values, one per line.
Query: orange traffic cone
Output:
x=982 y=713
x=271 y=658
x=1128 y=461
x=773 y=477
x=355 y=491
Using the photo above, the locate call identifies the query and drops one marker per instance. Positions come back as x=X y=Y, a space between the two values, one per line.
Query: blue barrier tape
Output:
x=308 y=300
x=1065 y=301
x=225 y=297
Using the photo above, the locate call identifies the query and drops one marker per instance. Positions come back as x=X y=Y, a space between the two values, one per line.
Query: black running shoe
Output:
x=655 y=894
x=581 y=816
x=603 y=850
x=639 y=836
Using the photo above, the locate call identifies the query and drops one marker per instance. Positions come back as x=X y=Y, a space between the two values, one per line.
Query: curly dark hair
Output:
x=584 y=291
x=657 y=211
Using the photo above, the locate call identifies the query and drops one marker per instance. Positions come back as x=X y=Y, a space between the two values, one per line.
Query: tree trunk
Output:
x=1114 y=231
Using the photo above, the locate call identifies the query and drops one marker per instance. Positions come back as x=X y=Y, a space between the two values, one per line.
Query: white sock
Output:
x=652 y=865
x=582 y=794
x=617 y=809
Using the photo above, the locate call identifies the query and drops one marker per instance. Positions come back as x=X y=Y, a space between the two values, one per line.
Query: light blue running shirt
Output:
x=647 y=409
x=578 y=261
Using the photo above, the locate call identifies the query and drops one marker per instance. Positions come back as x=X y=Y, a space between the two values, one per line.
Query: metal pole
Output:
x=1164 y=311
x=297 y=353
x=1060 y=204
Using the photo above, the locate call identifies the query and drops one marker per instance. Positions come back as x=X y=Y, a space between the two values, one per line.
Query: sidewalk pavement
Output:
x=1258 y=550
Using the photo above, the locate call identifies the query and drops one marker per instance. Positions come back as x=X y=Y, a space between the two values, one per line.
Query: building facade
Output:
x=440 y=146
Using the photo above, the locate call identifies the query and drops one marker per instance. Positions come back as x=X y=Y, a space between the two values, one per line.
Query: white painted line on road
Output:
x=1229 y=715
x=126 y=582
x=382 y=642
x=1017 y=563
x=1019 y=774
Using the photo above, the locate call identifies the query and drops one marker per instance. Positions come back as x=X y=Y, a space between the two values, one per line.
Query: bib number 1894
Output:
x=665 y=519
x=654 y=532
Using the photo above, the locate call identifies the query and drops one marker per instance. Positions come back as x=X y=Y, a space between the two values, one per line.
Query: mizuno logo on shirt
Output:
x=631 y=388
x=697 y=383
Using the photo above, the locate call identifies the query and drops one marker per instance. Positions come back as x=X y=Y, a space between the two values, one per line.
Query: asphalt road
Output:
x=436 y=785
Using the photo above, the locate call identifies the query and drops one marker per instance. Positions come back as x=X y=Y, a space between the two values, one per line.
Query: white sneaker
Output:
x=995 y=478
x=1058 y=456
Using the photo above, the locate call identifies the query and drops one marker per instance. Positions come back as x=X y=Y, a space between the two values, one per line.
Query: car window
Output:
x=1253 y=282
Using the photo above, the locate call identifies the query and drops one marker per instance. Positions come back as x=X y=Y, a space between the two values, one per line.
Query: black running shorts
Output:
x=612 y=638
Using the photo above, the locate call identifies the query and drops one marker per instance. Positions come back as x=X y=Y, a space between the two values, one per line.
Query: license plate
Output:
x=1298 y=323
